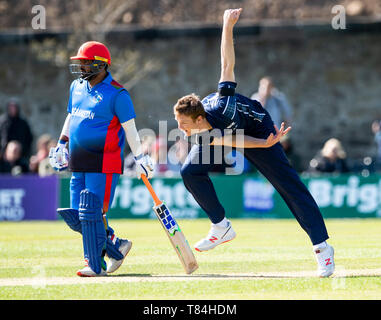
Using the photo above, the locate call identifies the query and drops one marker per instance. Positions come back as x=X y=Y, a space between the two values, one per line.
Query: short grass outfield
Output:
x=269 y=259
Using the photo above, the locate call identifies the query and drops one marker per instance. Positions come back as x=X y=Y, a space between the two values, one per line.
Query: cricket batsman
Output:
x=100 y=118
x=227 y=109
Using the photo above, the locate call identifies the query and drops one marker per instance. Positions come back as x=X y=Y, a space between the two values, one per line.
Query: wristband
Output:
x=227 y=88
x=140 y=156
x=226 y=92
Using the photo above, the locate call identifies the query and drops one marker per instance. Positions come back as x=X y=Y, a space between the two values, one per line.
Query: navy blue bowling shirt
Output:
x=227 y=109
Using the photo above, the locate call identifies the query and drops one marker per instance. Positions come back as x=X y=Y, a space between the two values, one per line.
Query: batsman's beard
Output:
x=79 y=69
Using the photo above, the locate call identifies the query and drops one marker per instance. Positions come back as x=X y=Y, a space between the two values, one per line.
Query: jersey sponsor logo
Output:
x=98 y=97
x=86 y=114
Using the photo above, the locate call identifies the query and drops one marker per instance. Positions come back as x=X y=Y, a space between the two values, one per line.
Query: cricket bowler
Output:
x=227 y=109
x=100 y=118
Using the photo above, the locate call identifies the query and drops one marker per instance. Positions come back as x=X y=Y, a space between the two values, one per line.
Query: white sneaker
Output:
x=216 y=236
x=88 y=272
x=326 y=263
x=124 y=248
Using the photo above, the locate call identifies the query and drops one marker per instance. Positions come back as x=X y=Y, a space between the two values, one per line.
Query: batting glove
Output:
x=144 y=166
x=59 y=157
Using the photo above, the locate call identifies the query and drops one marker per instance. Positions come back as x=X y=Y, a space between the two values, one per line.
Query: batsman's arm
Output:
x=64 y=136
x=132 y=136
x=59 y=155
x=143 y=162
x=251 y=142
x=230 y=18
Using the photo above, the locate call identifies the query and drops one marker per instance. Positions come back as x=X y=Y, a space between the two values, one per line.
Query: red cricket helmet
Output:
x=93 y=50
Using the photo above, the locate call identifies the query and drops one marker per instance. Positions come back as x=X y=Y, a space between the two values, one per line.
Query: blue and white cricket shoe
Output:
x=124 y=248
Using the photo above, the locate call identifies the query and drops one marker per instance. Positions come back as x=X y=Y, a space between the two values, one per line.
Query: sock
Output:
x=320 y=245
x=222 y=224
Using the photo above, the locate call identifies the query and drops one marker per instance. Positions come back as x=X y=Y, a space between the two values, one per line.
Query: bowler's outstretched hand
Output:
x=279 y=133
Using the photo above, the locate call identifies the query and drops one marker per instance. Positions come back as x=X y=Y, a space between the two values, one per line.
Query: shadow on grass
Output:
x=202 y=276
x=242 y=276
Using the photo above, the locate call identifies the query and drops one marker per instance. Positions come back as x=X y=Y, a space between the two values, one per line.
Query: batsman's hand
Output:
x=59 y=157
x=144 y=165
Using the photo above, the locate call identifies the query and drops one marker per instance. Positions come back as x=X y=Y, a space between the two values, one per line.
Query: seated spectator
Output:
x=44 y=167
x=129 y=165
x=14 y=127
x=332 y=158
x=42 y=153
x=159 y=155
x=12 y=161
x=177 y=155
x=376 y=129
x=292 y=157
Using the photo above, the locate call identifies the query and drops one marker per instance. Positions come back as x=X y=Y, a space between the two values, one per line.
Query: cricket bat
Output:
x=173 y=231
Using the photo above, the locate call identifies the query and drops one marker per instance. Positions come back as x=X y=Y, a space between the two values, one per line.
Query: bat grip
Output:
x=155 y=198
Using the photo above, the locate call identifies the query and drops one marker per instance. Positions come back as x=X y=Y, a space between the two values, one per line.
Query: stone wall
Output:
x=332 y=80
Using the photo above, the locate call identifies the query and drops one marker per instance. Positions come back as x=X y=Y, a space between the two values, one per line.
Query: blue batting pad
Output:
x=93 y=229
x=71 y=217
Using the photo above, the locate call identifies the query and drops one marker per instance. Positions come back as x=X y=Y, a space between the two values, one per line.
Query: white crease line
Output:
x=37 y=281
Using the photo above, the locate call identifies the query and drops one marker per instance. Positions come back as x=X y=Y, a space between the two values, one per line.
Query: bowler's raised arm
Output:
x=231 y=17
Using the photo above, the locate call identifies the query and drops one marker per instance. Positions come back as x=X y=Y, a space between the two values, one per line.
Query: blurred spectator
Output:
x=332 y=158
x=129 y=161
x=177 y=155
x=159 y=156
x=44 y=167
x=129 y=165
x=274 y=102
x=42 y=152
x=12 y=161
x=292 y=157
x=376 y=129
x=14 y=127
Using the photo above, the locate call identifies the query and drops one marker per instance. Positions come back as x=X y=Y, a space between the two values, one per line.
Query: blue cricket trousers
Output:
x=102 y=184
x=274 y=165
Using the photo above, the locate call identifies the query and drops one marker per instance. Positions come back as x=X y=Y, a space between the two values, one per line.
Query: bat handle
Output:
x=150 y=189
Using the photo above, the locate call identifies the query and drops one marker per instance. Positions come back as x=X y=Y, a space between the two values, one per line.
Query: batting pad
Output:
x=93 y=230
x=71 y=217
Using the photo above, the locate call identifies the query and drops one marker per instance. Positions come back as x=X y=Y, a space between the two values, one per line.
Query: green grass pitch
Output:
x=269 y=259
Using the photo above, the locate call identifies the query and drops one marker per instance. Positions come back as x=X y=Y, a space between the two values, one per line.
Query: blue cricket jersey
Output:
x=96 y=137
